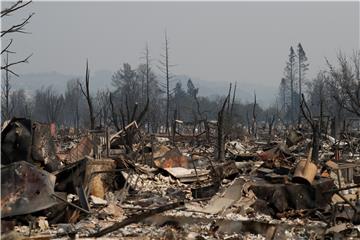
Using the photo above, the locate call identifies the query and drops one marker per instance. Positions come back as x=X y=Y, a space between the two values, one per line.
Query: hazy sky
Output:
x=215 y=41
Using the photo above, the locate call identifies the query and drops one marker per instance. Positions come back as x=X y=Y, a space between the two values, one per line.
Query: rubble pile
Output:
x=93 y=185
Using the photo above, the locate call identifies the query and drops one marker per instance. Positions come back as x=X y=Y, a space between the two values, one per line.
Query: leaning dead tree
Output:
x=86 y=92
x=7 y=31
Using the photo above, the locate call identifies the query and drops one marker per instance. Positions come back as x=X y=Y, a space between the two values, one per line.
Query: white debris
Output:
x=98 y=201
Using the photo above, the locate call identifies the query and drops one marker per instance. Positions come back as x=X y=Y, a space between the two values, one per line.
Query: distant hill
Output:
x=102 y=80
x=244 y=91
x=32 y=81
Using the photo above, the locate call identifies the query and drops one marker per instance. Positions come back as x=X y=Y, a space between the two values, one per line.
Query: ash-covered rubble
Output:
x=93 y=184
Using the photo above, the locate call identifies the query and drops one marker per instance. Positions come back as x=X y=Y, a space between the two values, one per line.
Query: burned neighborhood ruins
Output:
x=148 y=158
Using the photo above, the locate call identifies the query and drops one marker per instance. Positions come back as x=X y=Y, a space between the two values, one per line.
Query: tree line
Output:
x=156 y=100
x=151 y=99
x=332 y=95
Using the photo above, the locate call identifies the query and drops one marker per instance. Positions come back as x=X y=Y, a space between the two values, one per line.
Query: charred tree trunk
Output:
x=220 y=133
x=248 y=122
x=315 y=141
x=315 y=129
x=292 y=94
x=254 y=127
x=86 y=93
x=173 y=131
x=271 y=125
x=233 y=102
x=113 y=114
x=130 y=133
x=167 y=83
x=6 y=91
x=229 y=94
x=207 y=130
x=147 y=58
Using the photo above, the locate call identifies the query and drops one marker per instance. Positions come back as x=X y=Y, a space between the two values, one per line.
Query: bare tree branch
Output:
x=17 y=27
x=6 y=66
x=7 y=47
x=14 y=7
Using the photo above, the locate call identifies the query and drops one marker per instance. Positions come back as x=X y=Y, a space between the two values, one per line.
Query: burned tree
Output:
x=345 y=82
x=6 y=64
x=193 y=92
x=72 y=102
x=102 y=106
x=221 y=131
x=49 y=105
x=21 y=105
x=254 y=121
x=315 y=129
x=5 y=90
x=148 y=73
x=320 y=100
x=271 y=120
x=127 y=85
x=179 y=99
x=233 y=102
x=86 y=93
x=228 y=124
x=129 y=118
x=229 y=94
x=200 y=117
x=303 y=66
x=164 y=68
x=283 y=94
x=129 y=91
x=148 y=84
x=290 y=71
x=16 y=28
x=114 y=116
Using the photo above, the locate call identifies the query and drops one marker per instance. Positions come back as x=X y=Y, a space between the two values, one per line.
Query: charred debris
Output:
x=142 y=175
x=296 y=183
